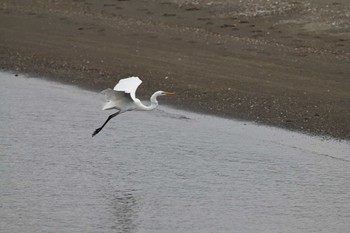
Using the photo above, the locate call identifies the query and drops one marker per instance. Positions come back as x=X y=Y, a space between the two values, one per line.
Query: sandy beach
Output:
x=283 y=63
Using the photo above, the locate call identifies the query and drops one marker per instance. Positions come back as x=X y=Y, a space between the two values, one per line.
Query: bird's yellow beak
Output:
x=168 y=93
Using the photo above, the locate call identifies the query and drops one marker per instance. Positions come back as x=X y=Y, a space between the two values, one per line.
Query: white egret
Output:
x=122 y=98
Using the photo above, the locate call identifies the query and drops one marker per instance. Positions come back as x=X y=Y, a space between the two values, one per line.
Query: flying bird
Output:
x=122 y=98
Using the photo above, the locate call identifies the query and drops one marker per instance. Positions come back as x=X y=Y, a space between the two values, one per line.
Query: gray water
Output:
x=160 y=171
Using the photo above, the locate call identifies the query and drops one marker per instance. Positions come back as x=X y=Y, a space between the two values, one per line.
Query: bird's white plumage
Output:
x=110 y=94
x=117 y=100
x=128 y=85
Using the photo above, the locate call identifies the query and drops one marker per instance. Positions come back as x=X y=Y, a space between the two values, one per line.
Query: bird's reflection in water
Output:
x=124 y=211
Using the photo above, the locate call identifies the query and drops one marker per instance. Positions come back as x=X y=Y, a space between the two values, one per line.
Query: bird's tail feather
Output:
x=110 y=96
x=108 y=105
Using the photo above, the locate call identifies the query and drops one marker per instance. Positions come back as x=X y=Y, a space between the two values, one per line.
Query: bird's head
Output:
x=160 y=93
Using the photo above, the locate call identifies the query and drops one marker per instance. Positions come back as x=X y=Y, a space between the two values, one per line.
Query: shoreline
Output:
x=179 y=108
x=295 y=81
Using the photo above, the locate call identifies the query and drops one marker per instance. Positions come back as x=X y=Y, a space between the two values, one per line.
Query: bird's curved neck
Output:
x=154 y=103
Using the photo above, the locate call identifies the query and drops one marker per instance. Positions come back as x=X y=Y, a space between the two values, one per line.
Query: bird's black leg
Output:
x=99 y=129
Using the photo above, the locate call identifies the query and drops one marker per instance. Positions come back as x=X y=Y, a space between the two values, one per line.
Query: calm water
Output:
x=160 y=171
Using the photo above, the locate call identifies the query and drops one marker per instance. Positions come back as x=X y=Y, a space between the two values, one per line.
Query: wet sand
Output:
x=283 y=63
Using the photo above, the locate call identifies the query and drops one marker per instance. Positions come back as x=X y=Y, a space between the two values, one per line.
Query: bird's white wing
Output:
x=111 y=94
x=117 y=99
x=128 y=85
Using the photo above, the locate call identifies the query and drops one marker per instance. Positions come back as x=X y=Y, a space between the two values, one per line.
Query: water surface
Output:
x=160 y=171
